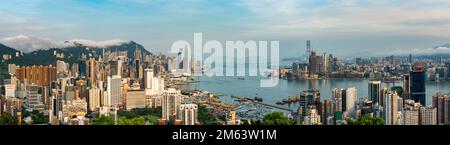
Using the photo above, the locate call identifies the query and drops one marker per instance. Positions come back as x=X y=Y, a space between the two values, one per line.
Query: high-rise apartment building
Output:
x=188 y=113
x=170 y=101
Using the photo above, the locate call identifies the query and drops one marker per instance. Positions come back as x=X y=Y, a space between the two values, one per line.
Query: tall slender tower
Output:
x=308 y=49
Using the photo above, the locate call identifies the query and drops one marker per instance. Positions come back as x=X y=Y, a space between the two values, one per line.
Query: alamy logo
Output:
x=219 y=58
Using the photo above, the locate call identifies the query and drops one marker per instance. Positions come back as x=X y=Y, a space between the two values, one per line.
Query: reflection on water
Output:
x=250 y=86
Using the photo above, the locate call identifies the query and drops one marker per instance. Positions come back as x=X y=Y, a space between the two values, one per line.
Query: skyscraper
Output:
x=349 y=96
x=337 y=100
x=308 y=49
x=313 y=64
x=406 y=87
x=391 y=109
x=114 y=91
x=327 y=110
x=418 y=85
x=375 y=91
x=344 y=100
x=171 y=100
x=442 y=105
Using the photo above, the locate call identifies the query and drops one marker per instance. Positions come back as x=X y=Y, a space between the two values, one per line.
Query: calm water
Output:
x=251 y=86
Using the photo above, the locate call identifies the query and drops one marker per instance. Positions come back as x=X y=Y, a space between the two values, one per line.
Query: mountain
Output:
x=27 y=44
x=7 y=50
x=73 y=52
x=80 y=48
x=445 y=45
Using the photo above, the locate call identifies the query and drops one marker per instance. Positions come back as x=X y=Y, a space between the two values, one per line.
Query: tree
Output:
x=152 y=119
x=7 y=119
x=276 y=118
x=133 y=121
x=366 y=120
x=204 y=116
x=398 y=89
x=39 y=118
x=103 y=120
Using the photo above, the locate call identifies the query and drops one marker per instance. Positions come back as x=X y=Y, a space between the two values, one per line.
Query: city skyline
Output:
x=344 y=28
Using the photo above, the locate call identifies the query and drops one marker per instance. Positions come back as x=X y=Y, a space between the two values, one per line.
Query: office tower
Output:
x=312 y=116
x=410 y=59
x=309 y=98
x=187 y=113
x=410 y=116
x=447 y=65
x=82 y=68
x=94 y=99
x=442 y=105
x=115 y=68
x=148 y=81
x=374 y=91
x=327 y=110
x=427 y=116
x=349 y=98
x=418 y=85
x=90 y=71
x=313 y=63
x=391 y=109
x=114 y=91
x=153 y=85
x=171 y=100
x=337 y=100
x=406 y=87
x=325 y=65
x=308 y=49
x=75 y=71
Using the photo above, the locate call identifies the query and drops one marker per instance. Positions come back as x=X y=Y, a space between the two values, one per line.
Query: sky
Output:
x=346 y=28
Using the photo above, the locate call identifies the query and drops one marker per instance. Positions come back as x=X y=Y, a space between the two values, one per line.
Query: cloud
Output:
x=349 y=17
x=30 y=43
x=98 y=44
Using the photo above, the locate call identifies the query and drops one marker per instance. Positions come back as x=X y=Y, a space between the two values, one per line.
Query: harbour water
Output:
x=250 y=87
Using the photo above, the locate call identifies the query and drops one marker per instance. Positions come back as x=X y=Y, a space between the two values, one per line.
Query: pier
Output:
x=261 y=103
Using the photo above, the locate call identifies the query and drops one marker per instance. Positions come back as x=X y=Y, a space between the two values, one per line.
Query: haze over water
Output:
x=251 y=86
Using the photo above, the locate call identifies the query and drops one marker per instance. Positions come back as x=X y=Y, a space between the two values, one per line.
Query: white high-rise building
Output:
x=114 y=91
x=187 y=113
x=350 y=97
x=391 y=108
x=171 y=100
x=153 y=85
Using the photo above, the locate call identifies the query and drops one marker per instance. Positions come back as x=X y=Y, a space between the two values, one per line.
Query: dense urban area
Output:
x=116 y=86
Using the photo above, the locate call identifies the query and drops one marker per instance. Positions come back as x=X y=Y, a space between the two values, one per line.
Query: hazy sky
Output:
x=342 y=27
